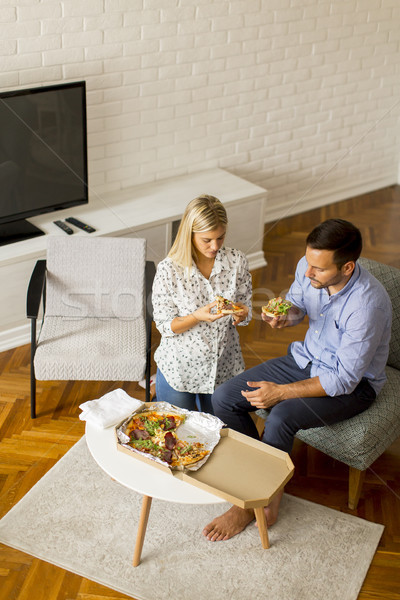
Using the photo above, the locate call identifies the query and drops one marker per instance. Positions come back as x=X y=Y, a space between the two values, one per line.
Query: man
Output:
x=333 y=375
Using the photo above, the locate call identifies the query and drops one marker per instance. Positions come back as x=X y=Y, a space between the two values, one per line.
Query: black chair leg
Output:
x=148 y=358
x=150 y=271
x=147 y=398
x=148 y=365
x=33 y=379
x=33 y=396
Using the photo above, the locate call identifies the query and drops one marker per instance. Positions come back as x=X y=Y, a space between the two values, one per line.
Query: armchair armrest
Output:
x=35 y=289
x=150 y=271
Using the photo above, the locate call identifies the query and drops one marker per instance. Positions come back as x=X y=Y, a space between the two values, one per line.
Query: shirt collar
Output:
x=354 y=277
x=221 y=263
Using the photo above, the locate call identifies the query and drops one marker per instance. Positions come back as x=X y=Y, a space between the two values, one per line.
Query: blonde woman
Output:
x=199 y=349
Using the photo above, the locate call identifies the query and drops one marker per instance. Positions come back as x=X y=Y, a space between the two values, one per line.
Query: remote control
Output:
x=81 y=225
x=64 y=227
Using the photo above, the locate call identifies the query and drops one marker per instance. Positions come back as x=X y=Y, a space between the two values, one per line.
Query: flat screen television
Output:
x=43 y=155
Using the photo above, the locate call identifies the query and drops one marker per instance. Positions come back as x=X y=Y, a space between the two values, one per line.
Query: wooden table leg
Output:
x=262 y=526
x=144 y=517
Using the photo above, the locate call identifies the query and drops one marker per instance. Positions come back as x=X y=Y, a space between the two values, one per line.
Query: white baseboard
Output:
x=12 y=338
x=317 y=199
x=256 y=260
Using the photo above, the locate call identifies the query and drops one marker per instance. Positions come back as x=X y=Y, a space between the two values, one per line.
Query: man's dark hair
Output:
x=338 y=235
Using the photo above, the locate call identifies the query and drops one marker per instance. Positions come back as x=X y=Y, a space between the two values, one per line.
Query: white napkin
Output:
x=110 y=409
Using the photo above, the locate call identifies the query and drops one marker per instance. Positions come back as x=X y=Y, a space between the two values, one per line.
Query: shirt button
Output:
x=316 y=331
x=321 y=315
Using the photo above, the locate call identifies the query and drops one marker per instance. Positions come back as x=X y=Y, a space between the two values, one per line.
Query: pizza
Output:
x=227 y=307
x=276 y=307
x=155 y=433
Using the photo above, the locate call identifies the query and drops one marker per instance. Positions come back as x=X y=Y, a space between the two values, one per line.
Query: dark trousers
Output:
x=287 y=417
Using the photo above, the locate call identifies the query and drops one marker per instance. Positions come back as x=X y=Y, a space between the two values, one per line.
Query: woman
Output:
x=199 y=349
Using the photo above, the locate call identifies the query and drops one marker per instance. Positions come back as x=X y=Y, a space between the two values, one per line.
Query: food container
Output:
x=197 y=427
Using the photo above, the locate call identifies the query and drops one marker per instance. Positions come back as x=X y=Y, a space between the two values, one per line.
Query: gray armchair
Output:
x=96 y=312
x=359 y=441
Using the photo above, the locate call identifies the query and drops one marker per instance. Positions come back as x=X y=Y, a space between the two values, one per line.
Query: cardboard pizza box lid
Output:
x=241 y=470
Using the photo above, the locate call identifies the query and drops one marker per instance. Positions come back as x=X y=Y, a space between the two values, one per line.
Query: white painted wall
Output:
x=299 y=96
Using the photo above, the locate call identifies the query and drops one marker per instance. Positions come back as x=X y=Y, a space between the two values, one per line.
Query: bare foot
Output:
x=272 y=510
x=229 y=524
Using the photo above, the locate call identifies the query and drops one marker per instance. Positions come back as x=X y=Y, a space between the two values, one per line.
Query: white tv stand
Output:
x=151 y=211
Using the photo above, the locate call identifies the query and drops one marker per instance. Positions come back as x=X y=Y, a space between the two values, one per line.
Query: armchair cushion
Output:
x=91 y=349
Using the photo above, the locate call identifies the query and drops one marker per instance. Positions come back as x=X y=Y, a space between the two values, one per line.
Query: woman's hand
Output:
x=204 y=313
x=240 y=316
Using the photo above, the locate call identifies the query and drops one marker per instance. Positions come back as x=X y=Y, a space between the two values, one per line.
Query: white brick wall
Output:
x=301 y=97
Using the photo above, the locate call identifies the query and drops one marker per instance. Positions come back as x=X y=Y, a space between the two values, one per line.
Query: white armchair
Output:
x=96 y=311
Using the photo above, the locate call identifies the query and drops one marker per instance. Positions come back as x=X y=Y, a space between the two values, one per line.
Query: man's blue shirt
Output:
x=349 y=332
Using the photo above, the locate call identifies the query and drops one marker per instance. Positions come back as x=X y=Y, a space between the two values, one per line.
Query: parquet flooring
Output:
x=28 y=449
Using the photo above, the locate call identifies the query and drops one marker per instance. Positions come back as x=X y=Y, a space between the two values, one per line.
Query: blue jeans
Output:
x=188 y=400
x=287 y=417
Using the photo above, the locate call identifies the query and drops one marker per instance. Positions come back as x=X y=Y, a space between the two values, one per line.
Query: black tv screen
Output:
x=43 y=154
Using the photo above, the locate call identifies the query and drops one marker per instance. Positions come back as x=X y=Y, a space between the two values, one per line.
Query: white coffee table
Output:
x=142 y=478
x=242 y=485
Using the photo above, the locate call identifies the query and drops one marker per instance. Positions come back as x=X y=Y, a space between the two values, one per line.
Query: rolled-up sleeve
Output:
x=164 y=307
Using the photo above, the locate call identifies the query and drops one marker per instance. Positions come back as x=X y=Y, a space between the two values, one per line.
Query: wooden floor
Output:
x=28 y=449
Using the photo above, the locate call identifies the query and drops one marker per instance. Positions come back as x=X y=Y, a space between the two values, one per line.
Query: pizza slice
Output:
x=188 y=454
x=276 y=307
x=227 y=307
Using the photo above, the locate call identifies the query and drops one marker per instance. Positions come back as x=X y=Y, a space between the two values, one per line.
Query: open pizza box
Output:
x=241 y=470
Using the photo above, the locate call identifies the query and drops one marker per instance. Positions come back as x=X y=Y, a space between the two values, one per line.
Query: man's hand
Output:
x=293 y=317
x=275 y=322
x=266 y=394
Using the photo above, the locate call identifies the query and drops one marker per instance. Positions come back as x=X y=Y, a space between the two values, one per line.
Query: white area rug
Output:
x=76 y=517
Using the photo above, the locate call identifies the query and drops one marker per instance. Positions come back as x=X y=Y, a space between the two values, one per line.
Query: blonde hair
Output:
x=204 y=213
